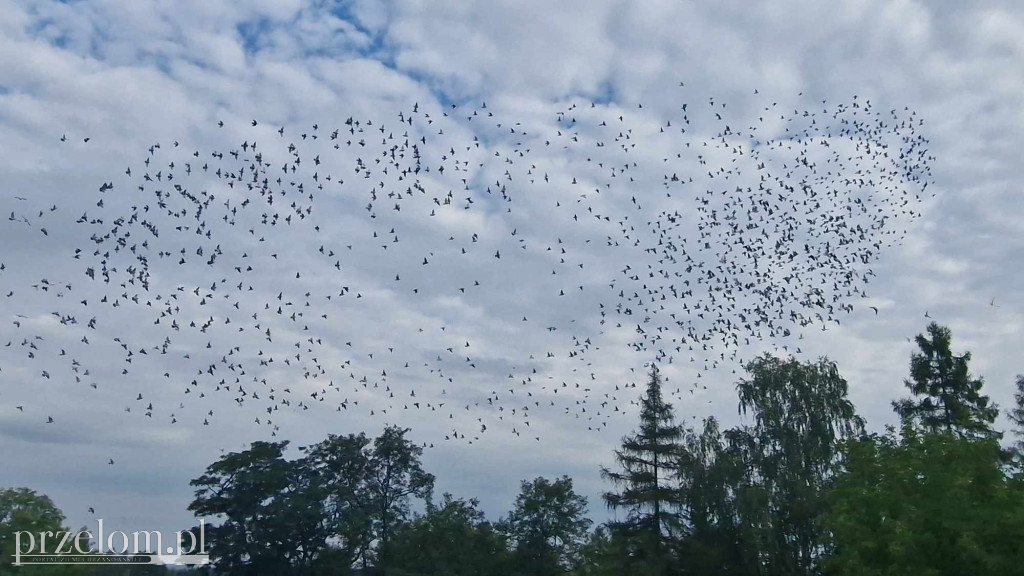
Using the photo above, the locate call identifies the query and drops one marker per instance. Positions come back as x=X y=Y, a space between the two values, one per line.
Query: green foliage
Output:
x=22 y=509
x=602 y=555
x=751 y=496
x=801 y=414
x=281 y=515
x=547 y=527
x=946 y=396
x=272 y=518
x=648 y=459
x=452 y=539
x=395 y=476
x=711 y=473
x=798 y=490
x=340 y=470
x=926 y=503
x=1016 y=415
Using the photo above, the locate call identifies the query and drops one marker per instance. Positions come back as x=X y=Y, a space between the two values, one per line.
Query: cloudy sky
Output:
x=510 y=99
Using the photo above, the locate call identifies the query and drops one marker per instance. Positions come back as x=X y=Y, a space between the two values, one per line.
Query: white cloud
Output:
x=129 y=75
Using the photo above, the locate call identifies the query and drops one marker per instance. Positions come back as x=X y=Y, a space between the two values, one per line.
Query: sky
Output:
x=130 y=76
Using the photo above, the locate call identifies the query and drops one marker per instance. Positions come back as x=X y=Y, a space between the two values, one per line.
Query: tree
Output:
x=22 y=509
x=801 y=415
x=396 y=475
x=547 y=527
x=606 y=553
x=452 y=539
x=340 y=471
x=1016 y=415
x=925 y=503
x=322 y=512
x=711 y=480
x=947 y=397
x=648 y=459
x=273 y=522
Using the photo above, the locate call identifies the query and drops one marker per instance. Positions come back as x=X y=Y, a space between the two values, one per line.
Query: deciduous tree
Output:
x=450 y=539
x=547 y=527
x=801 y=414
x=925 y=503
x=396 y=476
x=22 y=509
x=272 y=520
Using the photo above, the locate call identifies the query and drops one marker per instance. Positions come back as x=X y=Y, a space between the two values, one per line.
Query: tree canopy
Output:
x=796 y=488
x=945 y=395
x=547 y=526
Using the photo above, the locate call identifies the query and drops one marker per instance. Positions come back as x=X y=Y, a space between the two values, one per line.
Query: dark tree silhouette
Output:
x=1016 y=415
x=547 y=527
x=946 y=396
x=648 y=480
x=272 y=522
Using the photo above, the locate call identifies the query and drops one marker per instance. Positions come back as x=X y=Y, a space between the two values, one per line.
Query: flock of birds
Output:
x=401 y=264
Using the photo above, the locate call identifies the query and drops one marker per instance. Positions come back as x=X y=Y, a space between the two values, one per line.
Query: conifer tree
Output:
x=947 y=396
x=647 y=482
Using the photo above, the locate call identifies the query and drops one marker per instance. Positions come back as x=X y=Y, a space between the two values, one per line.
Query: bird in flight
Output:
x=246 y=274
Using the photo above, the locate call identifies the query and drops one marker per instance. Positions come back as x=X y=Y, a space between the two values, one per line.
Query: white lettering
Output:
x=124 y=539
x=17 y=546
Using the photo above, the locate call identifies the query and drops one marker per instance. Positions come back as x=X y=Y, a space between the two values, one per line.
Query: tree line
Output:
x=800 y=488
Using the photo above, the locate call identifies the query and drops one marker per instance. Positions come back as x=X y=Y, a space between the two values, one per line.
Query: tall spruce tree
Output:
x=647 y=482
x=946 y=396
